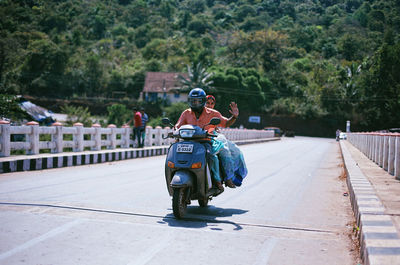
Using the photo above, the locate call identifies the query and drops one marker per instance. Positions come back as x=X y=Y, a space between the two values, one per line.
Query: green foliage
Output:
x=198 y=26
x=174 y=111
x=154 y=122
x=381 y=82
x=264 y=54
x=118 y=114
x=348 y=46
x=198 y=77
x=10 y=109
x=77 y=114
x=43 y=67
x=303 y=64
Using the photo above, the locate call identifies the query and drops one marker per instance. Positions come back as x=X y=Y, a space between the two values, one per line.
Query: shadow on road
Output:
x=199 y=217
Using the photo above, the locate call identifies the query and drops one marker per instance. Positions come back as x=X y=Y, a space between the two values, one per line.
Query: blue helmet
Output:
x=197 y=99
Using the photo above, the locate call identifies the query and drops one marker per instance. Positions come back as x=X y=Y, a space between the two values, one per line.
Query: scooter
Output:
x=187 y=172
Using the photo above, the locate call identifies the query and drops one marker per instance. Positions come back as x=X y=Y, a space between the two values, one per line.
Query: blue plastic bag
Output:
x=232 y=159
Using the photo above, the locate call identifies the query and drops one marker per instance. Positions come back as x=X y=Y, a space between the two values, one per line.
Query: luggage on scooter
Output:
x=232 y=160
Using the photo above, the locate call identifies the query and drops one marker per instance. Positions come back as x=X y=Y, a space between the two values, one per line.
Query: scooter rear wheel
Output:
x=179 y=203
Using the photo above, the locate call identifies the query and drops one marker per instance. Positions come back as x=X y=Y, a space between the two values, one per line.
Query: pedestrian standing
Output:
x=145 y=119
x=137 y=124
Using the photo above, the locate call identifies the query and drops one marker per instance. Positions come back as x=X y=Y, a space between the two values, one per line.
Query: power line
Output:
x=226 y=90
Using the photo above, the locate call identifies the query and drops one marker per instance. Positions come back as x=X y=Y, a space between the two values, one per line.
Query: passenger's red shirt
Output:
x=188 y=117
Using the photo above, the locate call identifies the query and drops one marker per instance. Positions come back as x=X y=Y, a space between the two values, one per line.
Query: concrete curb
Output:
x=48 y=161
x=379 y=239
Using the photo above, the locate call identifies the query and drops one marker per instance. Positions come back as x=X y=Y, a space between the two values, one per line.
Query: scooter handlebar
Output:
x=169 y=135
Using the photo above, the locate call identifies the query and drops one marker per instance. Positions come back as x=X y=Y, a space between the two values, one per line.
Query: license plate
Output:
x=184 y=148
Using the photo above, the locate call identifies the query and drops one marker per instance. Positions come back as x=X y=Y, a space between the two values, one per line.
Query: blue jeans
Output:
x=137 y=133
x=214 y=162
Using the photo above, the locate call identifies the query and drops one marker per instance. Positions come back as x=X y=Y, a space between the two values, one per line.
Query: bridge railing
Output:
x=381 y=148
x=33 y=139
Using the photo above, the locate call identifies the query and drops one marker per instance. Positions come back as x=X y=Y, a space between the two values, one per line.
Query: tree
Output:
x=9 y=108
x=156 y=49
x=124 y=2
x=260 y=48
x=255 y=98
x=304 y=37
x=244 y=86
x=167 y=9
x=198 y=77
x=197 y=6
x=380 y=79
x=198 y=26
x=136 y=14
x=43 y=68
x=77 y=114
x=93 y=74
x=244 y=11
x=349 y=47
x=174 y=111
x=118 y=114
x=98 y=26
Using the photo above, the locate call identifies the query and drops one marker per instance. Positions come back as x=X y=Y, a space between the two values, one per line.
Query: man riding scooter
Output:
x=200 y=115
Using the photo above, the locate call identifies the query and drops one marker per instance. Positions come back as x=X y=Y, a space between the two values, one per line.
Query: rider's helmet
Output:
x=197 y=99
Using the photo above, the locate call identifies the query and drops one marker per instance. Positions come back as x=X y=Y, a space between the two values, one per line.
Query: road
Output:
x=291 y=209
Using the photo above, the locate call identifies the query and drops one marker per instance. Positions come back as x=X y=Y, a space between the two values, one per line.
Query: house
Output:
x=166 y=86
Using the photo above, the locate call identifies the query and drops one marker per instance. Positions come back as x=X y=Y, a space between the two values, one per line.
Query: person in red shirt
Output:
x=200 y=115
x=137 y=124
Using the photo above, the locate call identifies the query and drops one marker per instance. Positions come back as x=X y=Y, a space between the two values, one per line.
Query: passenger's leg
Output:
x=214 y=166
x=214 y=161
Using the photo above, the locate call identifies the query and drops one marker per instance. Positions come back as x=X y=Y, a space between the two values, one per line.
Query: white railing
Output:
x=56 y=139
x=381 y=148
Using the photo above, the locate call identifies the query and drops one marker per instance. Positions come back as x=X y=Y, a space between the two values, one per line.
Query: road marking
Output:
x=188 y=219
x=266 y=251
x=41 y=238
x=145 y=257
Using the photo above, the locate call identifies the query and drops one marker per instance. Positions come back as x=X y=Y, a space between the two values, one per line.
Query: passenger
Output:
x=200 y=115
x=231 y=157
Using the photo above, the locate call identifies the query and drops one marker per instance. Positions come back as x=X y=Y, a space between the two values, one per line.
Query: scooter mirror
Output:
x=165 y=121
x=215 y=121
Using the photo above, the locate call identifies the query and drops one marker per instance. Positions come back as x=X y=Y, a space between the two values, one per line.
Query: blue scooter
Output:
x=187 y=172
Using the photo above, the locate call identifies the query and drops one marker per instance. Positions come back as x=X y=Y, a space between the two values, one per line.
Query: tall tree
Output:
x=197 y=77
x=380 y=103
x=260 y=48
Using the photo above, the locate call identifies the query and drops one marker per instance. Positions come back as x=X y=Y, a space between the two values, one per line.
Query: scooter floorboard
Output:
x=214 y=192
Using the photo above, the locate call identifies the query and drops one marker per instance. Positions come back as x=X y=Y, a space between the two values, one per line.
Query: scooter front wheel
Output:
x=179 y=203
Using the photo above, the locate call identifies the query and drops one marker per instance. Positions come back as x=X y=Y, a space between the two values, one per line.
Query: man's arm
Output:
x=129 y=122
x=181 y=121
x=235 y=113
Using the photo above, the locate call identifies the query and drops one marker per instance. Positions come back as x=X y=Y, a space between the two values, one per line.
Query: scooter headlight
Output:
x=186 y=133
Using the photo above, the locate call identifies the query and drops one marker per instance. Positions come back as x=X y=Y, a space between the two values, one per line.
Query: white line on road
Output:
x=266 y=251
x=41 y=238
x=149 y=254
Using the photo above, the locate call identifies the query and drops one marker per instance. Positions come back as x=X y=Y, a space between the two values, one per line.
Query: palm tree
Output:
x=197 y=77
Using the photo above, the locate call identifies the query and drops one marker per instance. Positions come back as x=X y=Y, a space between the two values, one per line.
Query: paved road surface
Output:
x=290 y=210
